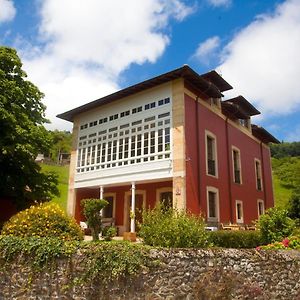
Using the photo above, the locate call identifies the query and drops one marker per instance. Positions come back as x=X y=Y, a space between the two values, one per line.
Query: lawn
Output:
x=281 y=193
x=63 y=178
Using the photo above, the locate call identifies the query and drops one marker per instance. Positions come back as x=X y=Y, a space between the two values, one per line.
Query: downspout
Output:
x=198 y=152
x=263 y=174
x=228 y=170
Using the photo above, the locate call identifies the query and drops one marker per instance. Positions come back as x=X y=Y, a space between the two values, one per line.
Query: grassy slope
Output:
x=281 y=193
x=63 y=177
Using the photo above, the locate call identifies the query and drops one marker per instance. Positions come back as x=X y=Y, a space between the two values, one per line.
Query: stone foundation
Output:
x=182 y=274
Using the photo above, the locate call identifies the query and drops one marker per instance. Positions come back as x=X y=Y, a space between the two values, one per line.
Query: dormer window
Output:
x=244 y=122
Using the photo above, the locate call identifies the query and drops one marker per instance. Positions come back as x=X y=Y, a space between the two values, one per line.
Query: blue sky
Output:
x=77 y=51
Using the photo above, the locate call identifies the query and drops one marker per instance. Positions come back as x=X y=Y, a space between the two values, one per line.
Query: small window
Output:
x=239 y=211
x=258 y=175
x=236 y=158
x=108 y=210
x=260 y=207
x=212 y=204
x=211 y=155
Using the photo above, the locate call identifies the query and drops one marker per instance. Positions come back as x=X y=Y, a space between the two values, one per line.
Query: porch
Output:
x=124 y=199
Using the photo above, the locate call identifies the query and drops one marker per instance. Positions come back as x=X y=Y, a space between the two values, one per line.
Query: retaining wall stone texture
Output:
x=182 y=274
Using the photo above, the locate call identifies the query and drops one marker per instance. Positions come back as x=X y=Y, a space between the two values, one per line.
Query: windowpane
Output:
x=212 y=209
x=211 y=163
x=107 y=211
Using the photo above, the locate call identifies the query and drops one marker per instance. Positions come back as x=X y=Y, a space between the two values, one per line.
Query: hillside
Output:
x=63 y=177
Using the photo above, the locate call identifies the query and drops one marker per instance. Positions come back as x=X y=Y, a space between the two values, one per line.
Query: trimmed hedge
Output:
x=235 y=239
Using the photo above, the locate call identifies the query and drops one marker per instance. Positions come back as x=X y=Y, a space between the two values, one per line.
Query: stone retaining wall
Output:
x=182 y=274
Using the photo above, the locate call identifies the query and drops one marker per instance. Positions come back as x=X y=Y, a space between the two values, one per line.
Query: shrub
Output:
x=171 y=228
x=43 y=220
x=275 y=225
x=294 y=205
x=109 y=232
x=92 y=211
x=235 y=239
x=292 y=242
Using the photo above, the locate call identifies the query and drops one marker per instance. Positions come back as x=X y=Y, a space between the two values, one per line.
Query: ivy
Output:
x=101 y=260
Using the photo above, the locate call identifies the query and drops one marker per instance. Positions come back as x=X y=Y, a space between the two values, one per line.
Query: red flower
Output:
x=285 y=242
x=258 y=248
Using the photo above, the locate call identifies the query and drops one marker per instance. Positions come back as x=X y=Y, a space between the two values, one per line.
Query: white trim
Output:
x=263 y=207
x=162 y=190
x=234 y=148
x=215 y=153
x=113 y=195
x=239 y=220
x=216 y=192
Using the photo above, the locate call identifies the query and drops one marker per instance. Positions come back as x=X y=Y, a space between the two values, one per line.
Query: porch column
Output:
x=132 y=212
x=101 y=197
x=101 y=192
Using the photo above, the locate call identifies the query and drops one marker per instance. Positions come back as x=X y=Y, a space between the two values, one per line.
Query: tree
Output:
x=294 y=205
x=61 y=143
x=22 y=135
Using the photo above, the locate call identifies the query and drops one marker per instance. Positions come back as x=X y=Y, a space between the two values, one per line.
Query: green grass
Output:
x=281 y=193
x=63 y=181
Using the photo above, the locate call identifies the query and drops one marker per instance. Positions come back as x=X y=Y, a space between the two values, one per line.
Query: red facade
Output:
x=198 y=118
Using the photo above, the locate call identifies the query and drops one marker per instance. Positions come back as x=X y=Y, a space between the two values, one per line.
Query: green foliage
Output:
x=290 y=243
x=92 y=211
x=35 y=251
x=111 y=260
x=109 y=232
x=171 y=228
x=235 y=238
x=275 y=225
x=100 y=261
x=288 y=171
x=285 y=149
x=294 y=205
x=43 y=220
x=61 y=143
x=22 y=135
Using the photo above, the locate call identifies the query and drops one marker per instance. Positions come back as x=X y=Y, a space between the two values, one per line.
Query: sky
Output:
x=77 y=51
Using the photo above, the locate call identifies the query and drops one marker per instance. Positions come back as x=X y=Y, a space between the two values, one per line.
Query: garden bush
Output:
x=275 y=225
x=43 y=220
x=170 y=228
x=92 y=211
x=109 y=232
x=235 y=239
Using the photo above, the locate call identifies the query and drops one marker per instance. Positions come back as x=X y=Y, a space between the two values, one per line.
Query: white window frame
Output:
x=216 y=192
x=234 y=148
x=215 y=153
x=239 y=220
x=260 y=201
x=113 y=195
x=256 y=160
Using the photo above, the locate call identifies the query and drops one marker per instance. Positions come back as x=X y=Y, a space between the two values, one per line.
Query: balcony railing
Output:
x=211 y=165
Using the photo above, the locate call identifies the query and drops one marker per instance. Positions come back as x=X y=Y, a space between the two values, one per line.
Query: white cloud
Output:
x=7 y=11
x=218 y=3
x=88 y=44
x=207 y=49
x=262 y=62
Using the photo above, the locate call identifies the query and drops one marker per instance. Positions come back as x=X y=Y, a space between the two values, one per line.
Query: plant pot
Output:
x=129 y=236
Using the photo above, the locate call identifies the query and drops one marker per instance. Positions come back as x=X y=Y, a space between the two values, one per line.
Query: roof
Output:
x=217 y=80
x=211 y=84
x=263 y=135
x=239 y=107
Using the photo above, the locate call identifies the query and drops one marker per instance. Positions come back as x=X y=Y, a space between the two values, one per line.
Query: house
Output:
x=171 y=139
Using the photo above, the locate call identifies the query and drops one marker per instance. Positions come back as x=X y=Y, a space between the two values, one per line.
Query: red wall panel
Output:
x=227 y=136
